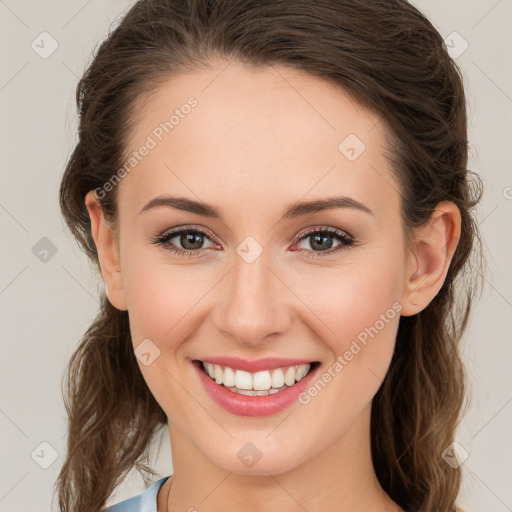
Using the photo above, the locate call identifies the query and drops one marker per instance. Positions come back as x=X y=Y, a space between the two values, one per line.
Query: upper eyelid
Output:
x=183 y=229
x=328 y=229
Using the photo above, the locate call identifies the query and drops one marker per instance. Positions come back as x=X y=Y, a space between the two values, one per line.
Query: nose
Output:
x=254 y=308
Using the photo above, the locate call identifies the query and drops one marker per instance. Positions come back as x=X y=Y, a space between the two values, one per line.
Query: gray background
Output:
x=48 y=300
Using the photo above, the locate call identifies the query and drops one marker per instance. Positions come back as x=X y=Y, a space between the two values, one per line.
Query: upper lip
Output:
x=255 y=365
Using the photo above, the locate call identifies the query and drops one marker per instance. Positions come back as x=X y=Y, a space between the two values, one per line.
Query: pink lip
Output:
x=255 y=365
x=243 y=405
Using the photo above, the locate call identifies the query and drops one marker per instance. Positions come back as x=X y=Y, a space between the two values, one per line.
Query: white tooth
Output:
x=261 y=381
x=277 y=378
x=210 y=369
x=289 y=376
x=248 y=392
x=218 y=374
x=229 y=377
x=243 y=380
x=252 y=392
x=302 y=370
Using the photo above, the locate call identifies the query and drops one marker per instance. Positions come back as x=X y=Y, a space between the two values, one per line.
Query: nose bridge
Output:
x=255 y=303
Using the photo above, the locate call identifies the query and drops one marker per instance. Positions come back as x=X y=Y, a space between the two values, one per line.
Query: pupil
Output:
x=319 y=239
x=191 y=238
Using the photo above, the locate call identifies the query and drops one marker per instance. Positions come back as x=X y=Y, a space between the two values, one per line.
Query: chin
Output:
x=258 y=459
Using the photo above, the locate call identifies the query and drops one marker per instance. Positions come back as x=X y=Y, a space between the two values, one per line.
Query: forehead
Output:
x=259 y=133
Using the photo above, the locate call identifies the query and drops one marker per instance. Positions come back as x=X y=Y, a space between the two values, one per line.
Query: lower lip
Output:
x=243 y=405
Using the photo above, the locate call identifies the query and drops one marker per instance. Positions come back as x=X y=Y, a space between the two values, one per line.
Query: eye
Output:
x=321 y=241
x=190 y=239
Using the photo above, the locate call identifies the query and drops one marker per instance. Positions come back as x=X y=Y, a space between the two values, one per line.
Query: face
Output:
x=319 y=286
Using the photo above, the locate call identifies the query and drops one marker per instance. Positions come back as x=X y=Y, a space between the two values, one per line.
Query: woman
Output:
x=277 y=197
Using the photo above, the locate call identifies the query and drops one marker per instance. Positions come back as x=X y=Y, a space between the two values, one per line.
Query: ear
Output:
x=108 y=252
x=429 y=259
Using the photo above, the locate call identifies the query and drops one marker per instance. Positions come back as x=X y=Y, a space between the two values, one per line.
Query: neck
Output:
x=340 y=478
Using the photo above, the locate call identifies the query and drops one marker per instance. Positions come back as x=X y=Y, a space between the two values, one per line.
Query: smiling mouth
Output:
x=262 y=383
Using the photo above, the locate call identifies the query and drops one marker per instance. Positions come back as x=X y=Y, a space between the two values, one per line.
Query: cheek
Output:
x=356 y=312
x=360 y=321
x=345 y=303
x=161 y=296
x=349 y=299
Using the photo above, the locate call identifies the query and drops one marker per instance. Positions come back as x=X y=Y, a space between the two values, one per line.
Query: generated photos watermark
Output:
x=344 y=359
x=157 y=135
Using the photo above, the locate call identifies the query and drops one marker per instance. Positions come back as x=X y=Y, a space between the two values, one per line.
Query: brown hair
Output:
x=391 y=59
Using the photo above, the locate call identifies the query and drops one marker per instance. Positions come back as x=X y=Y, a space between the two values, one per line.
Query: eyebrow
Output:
x=293 y=211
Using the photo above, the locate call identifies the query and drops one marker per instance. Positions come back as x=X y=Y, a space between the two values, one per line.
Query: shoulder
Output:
x=144 y=502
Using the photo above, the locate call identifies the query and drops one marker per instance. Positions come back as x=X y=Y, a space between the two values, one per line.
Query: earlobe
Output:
x=430 y=257
x=108 y=252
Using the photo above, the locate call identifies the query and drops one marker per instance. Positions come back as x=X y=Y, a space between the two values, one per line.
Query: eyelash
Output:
x=346 y=241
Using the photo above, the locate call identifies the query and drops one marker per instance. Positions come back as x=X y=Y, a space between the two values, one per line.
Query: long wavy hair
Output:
x=392 y=60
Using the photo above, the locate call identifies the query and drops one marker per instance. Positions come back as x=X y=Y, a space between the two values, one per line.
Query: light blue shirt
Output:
x=145 y=502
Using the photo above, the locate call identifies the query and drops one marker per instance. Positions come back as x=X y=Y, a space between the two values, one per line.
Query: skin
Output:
x=259 y=140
